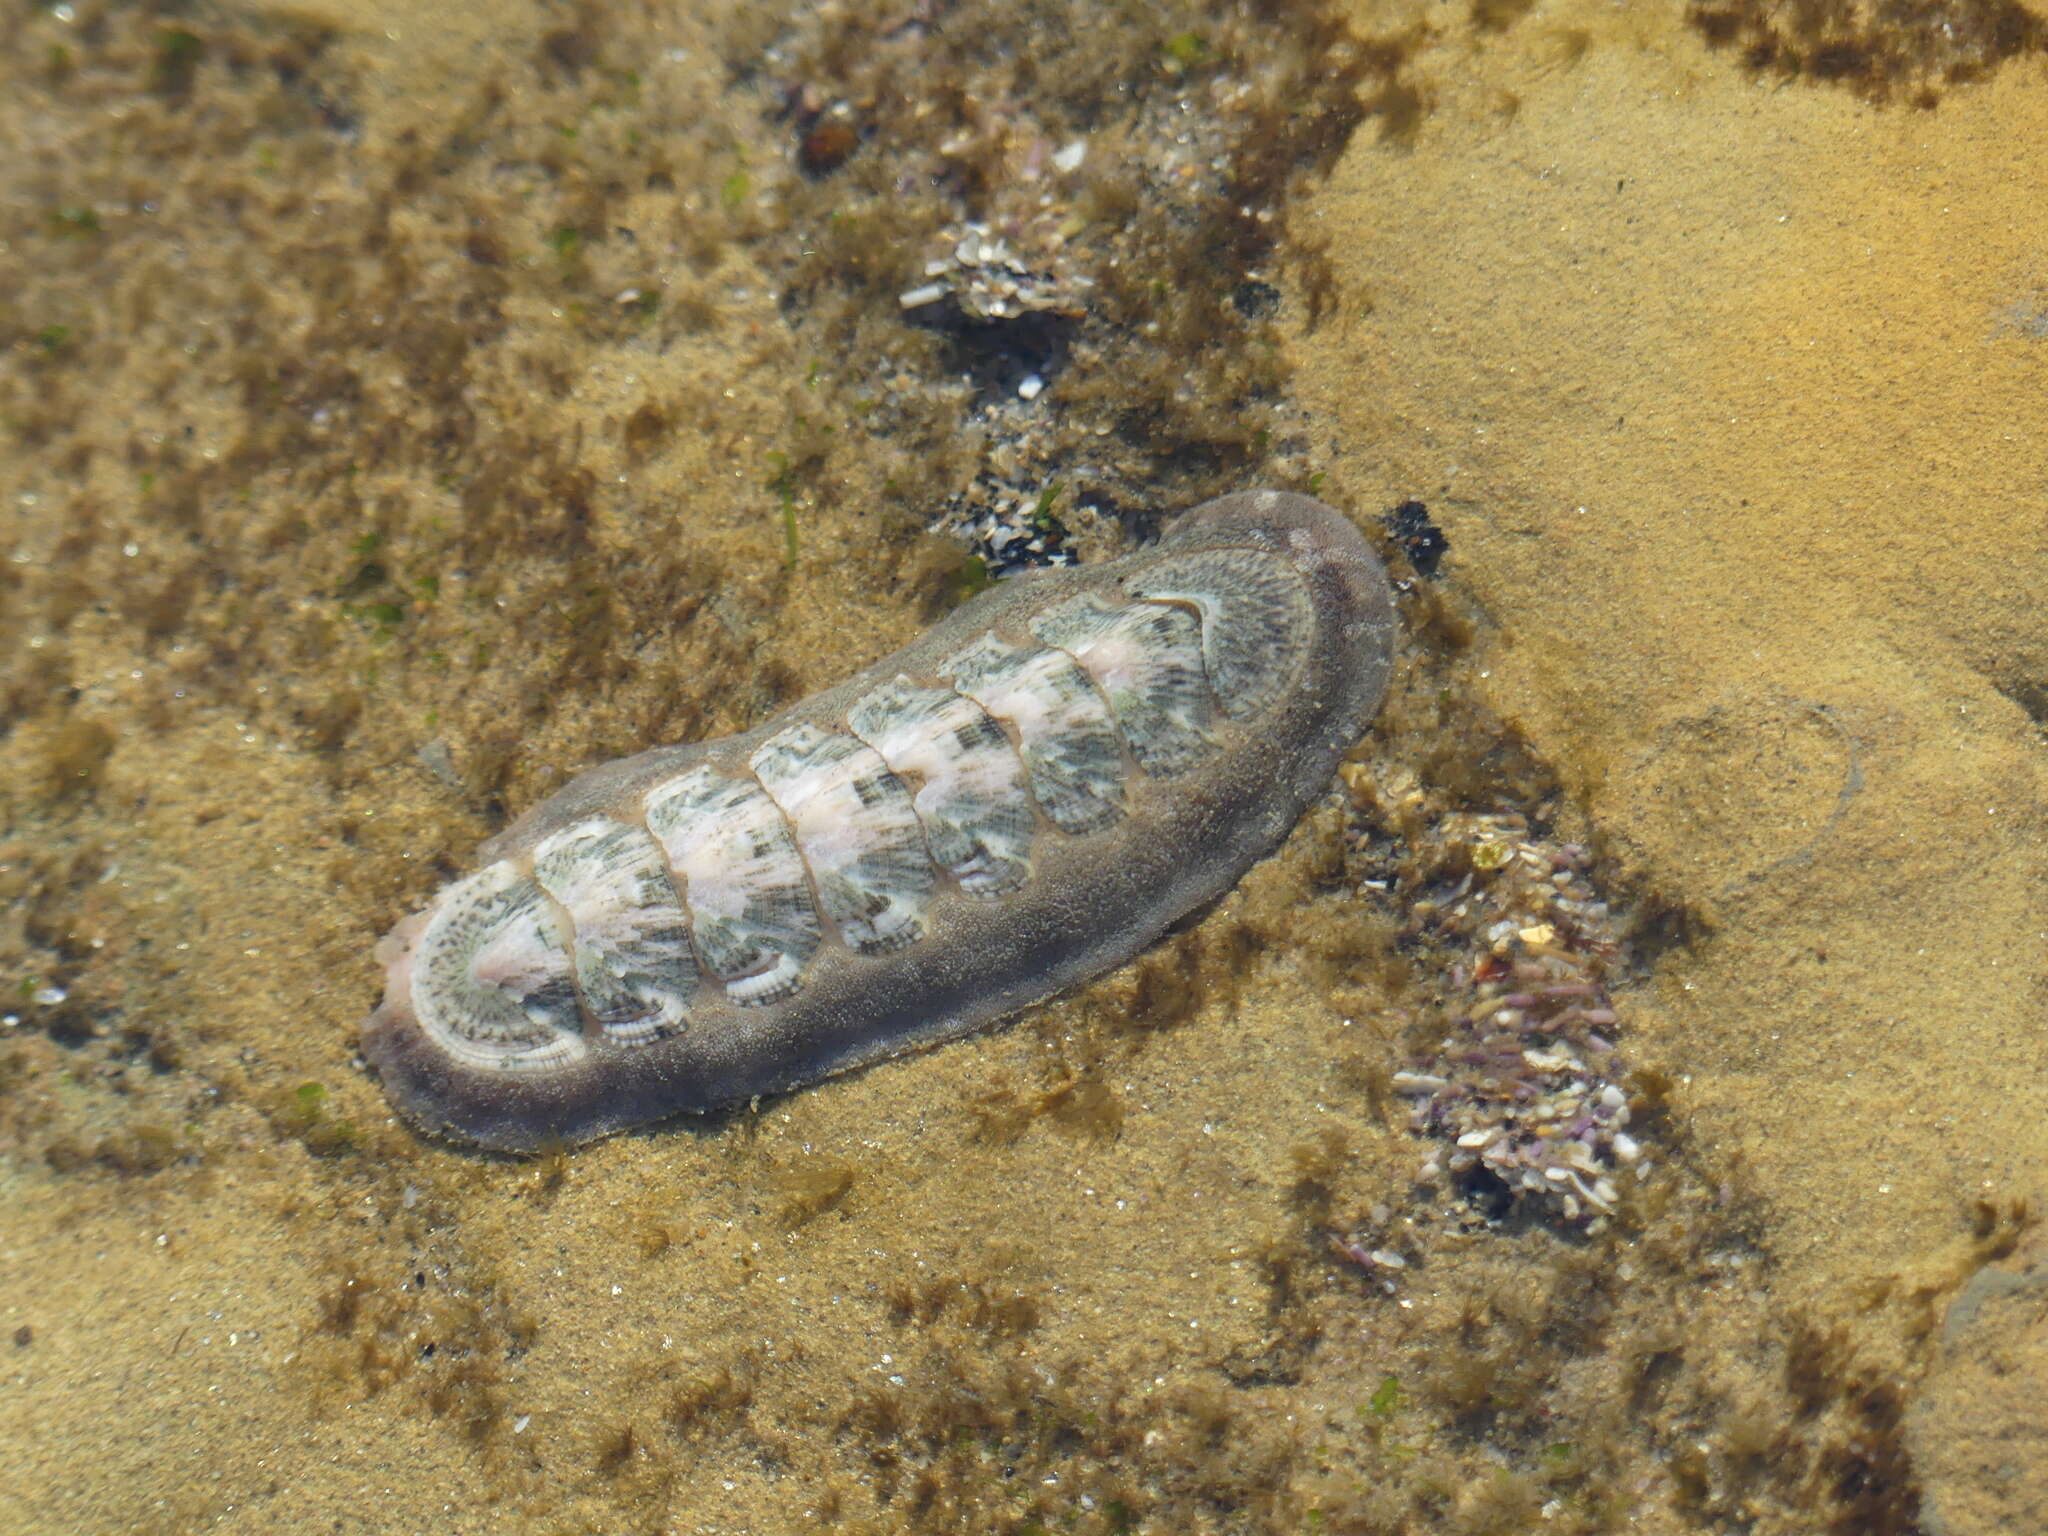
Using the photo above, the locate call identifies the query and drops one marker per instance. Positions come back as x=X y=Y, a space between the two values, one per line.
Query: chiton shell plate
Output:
x=1025 y=797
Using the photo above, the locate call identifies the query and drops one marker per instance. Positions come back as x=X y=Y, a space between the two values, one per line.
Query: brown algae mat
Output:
x=405 y=407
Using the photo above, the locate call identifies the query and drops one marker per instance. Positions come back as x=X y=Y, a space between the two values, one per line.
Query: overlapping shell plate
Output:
x=729 y=882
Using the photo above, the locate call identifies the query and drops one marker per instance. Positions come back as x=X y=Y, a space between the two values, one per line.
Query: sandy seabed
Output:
x=353 y=497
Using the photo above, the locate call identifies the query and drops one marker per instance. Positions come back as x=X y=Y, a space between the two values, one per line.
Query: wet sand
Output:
x=1726 y=404
x=349 y=507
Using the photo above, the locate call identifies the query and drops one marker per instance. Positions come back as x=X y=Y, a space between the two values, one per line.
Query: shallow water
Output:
x=357 y=494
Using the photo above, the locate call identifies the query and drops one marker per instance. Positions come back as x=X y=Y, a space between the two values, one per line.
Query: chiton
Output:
x=1025 y=797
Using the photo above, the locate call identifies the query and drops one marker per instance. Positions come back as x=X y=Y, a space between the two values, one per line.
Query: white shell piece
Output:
x=857 y=831
x=1147 y=659
x=632 y=943
x=1064 y=732
x=490 y=978
x=743 y=884
x=1256 y=620
x=971 y=792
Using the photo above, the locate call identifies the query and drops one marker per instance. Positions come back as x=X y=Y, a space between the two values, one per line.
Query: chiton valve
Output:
x=1027 y=796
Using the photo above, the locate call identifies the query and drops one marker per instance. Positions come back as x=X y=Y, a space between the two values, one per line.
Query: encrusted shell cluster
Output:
x=990 y=279
x=1524 y=1083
